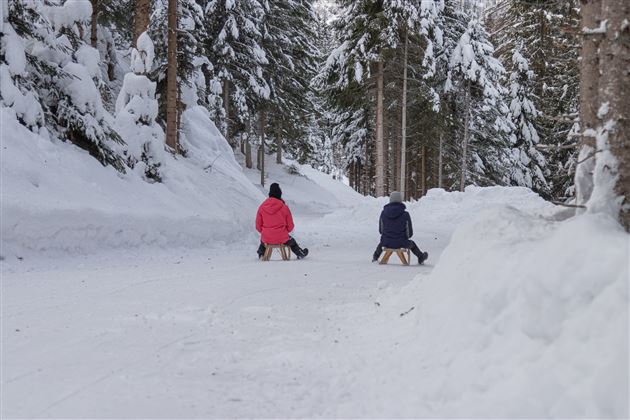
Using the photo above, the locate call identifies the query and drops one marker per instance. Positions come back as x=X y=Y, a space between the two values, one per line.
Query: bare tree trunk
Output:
x=403 y=126
x=589 y=99
x=226 y=107
x=279 y=145
x=141 y=18
x=367 y=169
x=462 y=184
x=423 y=171
x=248 y=154
x=440 y=160
x=261 y=128
x=94 y=29
x=351 y=174
x=434 y=168
x=379 y=143
x=172 y=90
x=397 y=154
x=242 y=143
x=392 y=175
x=111 y=66
x=614 y=89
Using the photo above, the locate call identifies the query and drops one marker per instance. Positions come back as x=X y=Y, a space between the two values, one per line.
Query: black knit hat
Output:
x=275 y=191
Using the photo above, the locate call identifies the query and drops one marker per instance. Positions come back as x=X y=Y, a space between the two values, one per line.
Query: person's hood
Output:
x=272 y=205
x=393 y=210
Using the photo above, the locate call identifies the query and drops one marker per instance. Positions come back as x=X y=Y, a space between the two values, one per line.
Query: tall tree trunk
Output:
x=279 y=145
x=242 y=143
x=397 y=154
x=462 y=184
x=589 y=99
x=351 y=174
x=379 y=143
x=403 y=126
x=261 y=128
x=94 y=28
x=111 y=65
x=434 y=168
x=613 y=144
x=440 y=160
x=248 y=154
x=423 y=171
x=141 y=17
x=226 y=108
x=367 y=172
x=392 y=175
x=172 y=91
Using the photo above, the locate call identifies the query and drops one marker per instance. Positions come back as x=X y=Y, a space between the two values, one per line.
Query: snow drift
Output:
x=56 y=198
x=521 y=317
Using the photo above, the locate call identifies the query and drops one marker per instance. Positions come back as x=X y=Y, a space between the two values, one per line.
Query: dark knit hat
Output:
x=275 y=191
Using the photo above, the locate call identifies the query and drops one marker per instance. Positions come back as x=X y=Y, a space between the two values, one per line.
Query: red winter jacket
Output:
x=274 y=221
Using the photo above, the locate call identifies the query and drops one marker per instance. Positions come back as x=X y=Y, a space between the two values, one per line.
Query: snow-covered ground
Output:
x=514 y=315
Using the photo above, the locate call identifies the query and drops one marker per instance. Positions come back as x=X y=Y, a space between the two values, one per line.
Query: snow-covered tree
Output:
x=548 y=33
x=137 y=110
x=474 y=79
x=233 y=46
x=531 y=171
x=289 y=42
x=61 y=72
x=18 y=91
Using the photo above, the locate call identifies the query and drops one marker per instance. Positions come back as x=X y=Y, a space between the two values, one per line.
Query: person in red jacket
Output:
x=274 y=223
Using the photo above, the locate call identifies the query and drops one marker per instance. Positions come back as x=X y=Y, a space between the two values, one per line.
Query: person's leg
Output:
x=299 y=252
x=261 y=250
x=377 y=252
x=422 y=256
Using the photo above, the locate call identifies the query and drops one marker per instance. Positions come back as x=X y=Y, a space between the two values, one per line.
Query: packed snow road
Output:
x=195 y=333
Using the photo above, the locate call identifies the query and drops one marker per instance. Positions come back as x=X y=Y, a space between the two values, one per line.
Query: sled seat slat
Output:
x=285 y=251
x=404 y=255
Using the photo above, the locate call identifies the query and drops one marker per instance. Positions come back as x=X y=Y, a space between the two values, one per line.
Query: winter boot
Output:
x=261 y=250
x=377 y=253
x=423 y=257
x=302 y=254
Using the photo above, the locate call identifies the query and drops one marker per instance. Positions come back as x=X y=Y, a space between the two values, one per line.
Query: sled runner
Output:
x=285 y=251
x=403 y=253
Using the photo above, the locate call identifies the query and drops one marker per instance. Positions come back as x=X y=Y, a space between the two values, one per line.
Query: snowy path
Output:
x=196 y=333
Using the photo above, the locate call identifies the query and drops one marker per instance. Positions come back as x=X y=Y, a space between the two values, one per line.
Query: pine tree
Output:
x=233 y=46
x=547 y=30
x=64 y=76
x=531 y=164
x=289 y=46
x=136 y=113
x=474 y=75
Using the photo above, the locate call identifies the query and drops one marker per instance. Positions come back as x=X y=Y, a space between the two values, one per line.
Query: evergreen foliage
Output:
x=494 y=107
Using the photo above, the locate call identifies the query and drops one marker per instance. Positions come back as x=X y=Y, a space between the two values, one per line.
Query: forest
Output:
x=394 y=95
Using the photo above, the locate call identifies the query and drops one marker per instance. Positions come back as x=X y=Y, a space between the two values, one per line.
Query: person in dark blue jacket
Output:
x=396 y=229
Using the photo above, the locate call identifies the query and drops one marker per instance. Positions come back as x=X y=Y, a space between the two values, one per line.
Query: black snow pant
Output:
x=291 y=243
x=411 y=246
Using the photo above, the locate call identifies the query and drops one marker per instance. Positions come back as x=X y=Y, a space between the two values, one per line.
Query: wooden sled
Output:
x=285 y=251
x=403 y=253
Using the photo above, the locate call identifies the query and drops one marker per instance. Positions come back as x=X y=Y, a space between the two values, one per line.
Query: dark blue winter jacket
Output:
x=395 y=226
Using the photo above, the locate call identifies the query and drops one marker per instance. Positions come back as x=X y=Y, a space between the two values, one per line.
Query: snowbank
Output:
x=307 y=190
x=439 y=212
x=56 y=198
x=521 y=317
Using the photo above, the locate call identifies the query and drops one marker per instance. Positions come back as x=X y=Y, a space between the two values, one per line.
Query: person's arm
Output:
x=259 y=221
x=289 y=220
x=380 y=224
x=409 y=227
